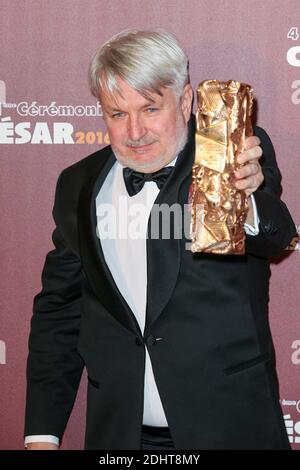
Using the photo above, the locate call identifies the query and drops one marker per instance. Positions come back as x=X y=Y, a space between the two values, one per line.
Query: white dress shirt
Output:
x=126 y=259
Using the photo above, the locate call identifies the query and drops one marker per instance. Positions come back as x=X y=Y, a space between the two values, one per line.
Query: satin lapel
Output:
x=95 y=267
x=163 y=256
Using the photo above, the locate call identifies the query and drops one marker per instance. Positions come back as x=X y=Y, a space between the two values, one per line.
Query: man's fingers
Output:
x=252 y=150
x=250 y=184
x=247 y=170
x=249 y=178
x=250 y=142
x=246 y=183
x=252 y=154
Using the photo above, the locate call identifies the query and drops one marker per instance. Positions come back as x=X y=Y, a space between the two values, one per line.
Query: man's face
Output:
x=146 y=134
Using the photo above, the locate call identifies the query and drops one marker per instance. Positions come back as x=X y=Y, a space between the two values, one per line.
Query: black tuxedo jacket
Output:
x=214 y=362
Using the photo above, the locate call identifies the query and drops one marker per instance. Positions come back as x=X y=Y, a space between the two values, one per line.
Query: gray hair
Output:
x=146 y=60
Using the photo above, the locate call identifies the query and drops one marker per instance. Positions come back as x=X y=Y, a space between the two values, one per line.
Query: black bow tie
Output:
x=135 y=180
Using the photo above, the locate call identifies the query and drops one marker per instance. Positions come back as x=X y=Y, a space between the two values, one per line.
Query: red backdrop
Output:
x=48 y=120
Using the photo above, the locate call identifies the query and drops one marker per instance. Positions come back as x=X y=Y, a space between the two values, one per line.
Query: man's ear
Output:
x=186 y=102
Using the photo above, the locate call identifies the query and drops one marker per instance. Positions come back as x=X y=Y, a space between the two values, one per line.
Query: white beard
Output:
x=160 y=161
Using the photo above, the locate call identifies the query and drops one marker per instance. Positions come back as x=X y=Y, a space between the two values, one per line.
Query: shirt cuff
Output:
x=249 y=229
x=41 y=438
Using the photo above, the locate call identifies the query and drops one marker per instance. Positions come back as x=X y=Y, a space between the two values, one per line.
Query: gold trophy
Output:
x=218 y=209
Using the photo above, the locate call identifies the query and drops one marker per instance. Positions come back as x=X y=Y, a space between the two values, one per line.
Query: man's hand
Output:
x=41 y=446
x=250 y=176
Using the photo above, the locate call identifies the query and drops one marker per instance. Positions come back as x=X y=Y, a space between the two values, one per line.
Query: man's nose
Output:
x=136 y=128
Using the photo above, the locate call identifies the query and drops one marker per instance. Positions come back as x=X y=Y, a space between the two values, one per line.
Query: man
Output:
x=177 y=345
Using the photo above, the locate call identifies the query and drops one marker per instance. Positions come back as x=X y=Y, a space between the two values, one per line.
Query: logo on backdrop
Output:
x=292 y=419
x=42 y=131
x=295 y=357
x=2 y=352
x=293 y=59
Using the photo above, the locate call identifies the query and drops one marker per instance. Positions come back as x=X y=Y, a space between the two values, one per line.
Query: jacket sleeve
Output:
x=54 y=366
x=276 y=227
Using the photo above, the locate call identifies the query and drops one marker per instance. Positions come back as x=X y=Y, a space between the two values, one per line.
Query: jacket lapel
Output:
x=94 y=265
x=164 y=256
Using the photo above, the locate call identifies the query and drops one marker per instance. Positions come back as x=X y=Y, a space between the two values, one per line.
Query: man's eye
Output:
x=117 y=115
x=151 y=110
